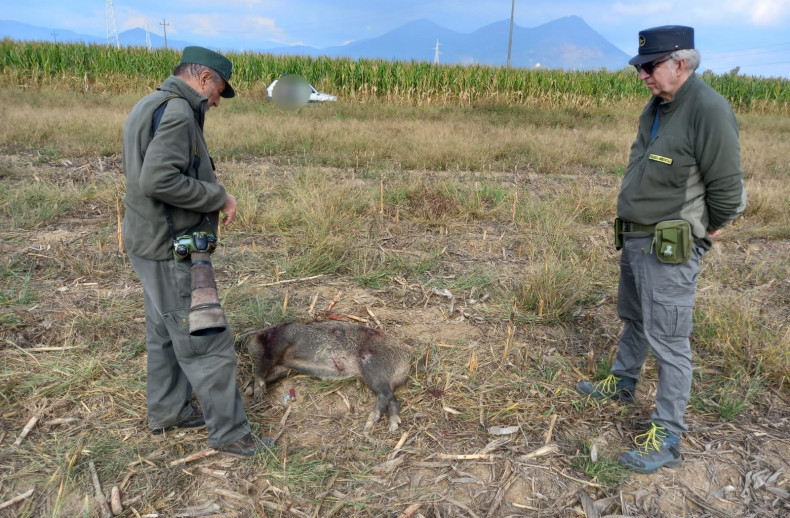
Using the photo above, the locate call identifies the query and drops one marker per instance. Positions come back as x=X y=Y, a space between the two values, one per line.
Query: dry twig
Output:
x=16 y=499
x=101 y=498
x=195 y=456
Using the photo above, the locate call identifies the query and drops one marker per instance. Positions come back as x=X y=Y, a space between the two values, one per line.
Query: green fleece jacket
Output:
x=691 y=170
x=162 y=170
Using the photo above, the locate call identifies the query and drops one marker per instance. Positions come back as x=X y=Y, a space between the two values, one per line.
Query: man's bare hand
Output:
x=229 y=209
x=714 y=233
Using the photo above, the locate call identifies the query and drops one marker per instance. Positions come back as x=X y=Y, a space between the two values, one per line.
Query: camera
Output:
x=206 y=316
x=185 y=245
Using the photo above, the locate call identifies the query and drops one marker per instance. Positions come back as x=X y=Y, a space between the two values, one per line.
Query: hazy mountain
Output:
x=25 y=32
x=567 y=43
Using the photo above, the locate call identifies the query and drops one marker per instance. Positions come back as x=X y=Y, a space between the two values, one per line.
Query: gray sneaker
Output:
x=612 y=387
x=656 y=448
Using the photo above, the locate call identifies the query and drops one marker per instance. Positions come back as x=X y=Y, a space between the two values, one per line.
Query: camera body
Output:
x=185 y=245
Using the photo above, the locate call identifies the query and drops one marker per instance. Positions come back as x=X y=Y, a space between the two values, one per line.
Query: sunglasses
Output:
x=650 y=67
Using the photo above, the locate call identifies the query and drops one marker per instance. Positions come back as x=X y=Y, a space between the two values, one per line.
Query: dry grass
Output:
x=496 y=204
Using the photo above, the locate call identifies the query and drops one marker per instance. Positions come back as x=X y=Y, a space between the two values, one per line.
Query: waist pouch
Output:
x=672 y=241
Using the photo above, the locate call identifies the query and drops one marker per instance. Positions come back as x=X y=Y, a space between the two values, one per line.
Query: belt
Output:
x=636 y=227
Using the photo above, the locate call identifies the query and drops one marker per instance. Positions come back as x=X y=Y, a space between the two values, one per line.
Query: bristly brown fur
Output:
x=334 y=350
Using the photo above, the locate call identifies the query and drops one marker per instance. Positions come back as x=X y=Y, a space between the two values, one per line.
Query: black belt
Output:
x=629 y=226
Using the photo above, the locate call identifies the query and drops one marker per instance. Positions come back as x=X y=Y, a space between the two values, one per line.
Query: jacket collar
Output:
x=682 y=92
x=197 y=101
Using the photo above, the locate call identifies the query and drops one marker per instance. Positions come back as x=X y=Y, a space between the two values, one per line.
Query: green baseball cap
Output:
x=211 y=59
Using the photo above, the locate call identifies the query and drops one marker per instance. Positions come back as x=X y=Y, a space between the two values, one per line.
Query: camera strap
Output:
x=156 y=119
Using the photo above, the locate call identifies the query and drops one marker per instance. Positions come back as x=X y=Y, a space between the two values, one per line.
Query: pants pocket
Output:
x=672 y=312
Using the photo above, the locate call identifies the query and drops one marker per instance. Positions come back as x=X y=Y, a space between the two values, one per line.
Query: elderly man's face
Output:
x=665 y=79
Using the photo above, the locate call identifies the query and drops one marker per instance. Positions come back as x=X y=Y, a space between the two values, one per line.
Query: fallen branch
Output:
x=51 y=349
x=195 y=456
x=410 y=511
x=288 y=509
x=544 y=450
x=375 y=319
x=472 y=456
x=26 y=430
x=61 y=420
x=100 y=496
x=16 y=499
x=551 y=428
x=115 y=501
x=288 y=281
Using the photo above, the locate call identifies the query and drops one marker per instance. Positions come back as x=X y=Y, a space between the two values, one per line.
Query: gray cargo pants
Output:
x=179 y=363
x=656 y=304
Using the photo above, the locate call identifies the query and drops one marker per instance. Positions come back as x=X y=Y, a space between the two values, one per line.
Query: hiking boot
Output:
x=613 y=387
x=194 y=420
x=656 y=448
x=248 y=445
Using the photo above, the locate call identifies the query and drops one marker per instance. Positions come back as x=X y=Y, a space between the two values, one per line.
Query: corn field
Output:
x=106 y=68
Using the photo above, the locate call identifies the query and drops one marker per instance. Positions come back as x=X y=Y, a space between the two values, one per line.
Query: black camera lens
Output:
x=182 y=251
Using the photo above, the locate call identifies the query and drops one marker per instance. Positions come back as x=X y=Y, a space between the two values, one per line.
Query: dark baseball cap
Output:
x=215 y=60
x=660 y=41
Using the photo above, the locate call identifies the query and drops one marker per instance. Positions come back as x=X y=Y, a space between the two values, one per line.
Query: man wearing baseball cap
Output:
x=683 y=184
x=173 y=191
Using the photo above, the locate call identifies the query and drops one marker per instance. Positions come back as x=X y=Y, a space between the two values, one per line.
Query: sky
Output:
x=751 y=34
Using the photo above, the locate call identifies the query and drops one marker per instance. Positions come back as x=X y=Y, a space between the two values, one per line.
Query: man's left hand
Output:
x=229 y=209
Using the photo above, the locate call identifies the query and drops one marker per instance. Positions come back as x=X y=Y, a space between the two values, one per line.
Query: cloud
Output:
x=256 y=27
x=641 y=9
x=769 y=12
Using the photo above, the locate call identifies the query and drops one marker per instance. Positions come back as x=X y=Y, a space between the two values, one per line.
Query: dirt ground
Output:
x=495 y=441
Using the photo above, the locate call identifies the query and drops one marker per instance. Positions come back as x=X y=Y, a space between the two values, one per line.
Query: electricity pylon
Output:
x=436 y=54
x=111 y=15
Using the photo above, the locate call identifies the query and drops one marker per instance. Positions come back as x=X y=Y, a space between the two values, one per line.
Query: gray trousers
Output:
x=656 y=304
x=179 y=363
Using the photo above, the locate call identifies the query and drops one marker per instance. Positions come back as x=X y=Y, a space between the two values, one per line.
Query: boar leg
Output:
x=384 y=399
x=262 y=381
x=394 y=409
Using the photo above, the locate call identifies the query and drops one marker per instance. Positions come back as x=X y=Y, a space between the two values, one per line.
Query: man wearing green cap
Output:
x=683 y=184
x=172 y=190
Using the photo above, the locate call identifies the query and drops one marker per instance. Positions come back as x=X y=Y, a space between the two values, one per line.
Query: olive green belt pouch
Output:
x=672 y=241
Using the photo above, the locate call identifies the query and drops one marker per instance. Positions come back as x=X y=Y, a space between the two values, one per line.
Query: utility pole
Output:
x=110 y=12
x=510 y=41
x=164 y=24
x=55 y=36
x=436 y=53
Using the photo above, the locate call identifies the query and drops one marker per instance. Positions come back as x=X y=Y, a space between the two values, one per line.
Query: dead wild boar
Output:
x=332 y=349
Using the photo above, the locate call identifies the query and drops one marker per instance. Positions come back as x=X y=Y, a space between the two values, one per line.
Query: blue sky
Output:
x=751 y=34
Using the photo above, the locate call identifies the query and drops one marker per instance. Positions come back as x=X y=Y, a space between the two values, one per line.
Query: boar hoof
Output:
x=394 y=422
x=259 y=388
x=372 y=418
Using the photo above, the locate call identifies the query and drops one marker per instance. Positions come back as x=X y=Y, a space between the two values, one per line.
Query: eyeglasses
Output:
x=650 y=67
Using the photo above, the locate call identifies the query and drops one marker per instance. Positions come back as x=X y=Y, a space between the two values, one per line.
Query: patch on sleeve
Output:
x=659 y=158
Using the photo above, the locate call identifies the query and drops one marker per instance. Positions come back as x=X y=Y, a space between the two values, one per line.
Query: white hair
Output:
x=692 y=57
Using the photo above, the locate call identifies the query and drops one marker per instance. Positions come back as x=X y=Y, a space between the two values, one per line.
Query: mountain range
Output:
x=566 y=43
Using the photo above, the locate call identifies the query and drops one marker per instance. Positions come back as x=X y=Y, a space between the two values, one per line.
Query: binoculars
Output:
x=206 y=316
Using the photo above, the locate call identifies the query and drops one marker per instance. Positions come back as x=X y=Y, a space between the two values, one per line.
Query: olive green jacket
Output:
x=172 y=168
x=691 y=170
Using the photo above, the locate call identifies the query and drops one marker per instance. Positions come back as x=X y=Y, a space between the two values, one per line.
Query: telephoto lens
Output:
x=206 y=316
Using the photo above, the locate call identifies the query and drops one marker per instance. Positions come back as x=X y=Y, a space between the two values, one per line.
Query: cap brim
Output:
x=228 y=92
x=641 y=59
